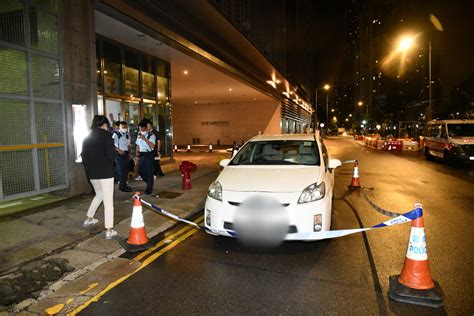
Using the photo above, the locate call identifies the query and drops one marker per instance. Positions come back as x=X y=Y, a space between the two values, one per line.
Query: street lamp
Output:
x=360 y=103
x=406 y=43
x=325 y=87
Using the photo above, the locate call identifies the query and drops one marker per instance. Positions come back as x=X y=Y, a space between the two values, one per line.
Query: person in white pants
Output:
x=104 y=192
x=98 y=155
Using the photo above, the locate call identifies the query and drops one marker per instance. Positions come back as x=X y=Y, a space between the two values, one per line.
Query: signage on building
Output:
x=215 y=123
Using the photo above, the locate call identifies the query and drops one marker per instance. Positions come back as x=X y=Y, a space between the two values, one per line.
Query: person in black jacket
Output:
x=98 y=154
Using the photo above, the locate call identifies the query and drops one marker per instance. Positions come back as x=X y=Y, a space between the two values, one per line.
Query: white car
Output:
x=294 y=170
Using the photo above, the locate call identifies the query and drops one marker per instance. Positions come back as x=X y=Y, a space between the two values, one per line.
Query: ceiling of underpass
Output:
x=192 y=81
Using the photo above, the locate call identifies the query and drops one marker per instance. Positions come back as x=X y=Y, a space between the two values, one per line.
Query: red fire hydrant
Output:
x=186 y=168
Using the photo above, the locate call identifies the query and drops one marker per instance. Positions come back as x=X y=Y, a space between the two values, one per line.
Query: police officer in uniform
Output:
x=145 y=151
x=122 y=146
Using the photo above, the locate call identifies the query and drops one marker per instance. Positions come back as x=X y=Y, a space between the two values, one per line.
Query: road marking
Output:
x=37 y=198
x=142 y=266
x=55 y=309
x=90 y=287
x=164 y=241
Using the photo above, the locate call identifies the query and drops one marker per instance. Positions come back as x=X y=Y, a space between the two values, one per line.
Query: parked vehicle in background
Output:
x=450 y=140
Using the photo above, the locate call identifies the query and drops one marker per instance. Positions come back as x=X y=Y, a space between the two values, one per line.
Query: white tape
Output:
x=416 y=241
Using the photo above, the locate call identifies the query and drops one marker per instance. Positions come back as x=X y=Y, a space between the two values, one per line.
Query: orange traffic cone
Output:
x=355 y=183
x=137 y=239
x=415 y=285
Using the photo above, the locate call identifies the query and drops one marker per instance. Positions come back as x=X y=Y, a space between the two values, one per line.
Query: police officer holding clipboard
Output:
x=145 y=151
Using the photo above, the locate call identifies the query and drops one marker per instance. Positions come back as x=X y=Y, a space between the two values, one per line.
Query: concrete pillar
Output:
x=80 y=83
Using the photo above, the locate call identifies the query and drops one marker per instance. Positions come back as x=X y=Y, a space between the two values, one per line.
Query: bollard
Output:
x=210 y=147
x=186 y=169
x=188 y=148
x=175 y=149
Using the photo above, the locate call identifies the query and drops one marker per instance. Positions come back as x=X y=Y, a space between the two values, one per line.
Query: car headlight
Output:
x=312 y=193
x=215 y=191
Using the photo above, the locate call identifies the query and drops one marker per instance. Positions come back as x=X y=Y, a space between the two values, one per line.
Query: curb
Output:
x=71 y=277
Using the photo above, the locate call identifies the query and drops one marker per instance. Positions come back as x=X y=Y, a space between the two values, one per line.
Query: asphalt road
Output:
x=348 y=275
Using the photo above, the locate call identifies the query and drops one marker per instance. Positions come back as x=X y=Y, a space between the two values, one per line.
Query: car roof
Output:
x=307 y=137
x=451 y=122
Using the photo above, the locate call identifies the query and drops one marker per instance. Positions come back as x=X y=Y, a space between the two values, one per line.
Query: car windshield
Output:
x=278 y=152
x=461 y=130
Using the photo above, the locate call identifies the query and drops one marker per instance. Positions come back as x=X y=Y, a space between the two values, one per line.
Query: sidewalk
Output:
x=41 y=248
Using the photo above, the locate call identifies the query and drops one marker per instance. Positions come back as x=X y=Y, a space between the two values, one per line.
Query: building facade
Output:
x=62 y=62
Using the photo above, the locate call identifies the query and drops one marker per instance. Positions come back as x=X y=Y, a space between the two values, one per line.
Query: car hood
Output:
x=268 y=178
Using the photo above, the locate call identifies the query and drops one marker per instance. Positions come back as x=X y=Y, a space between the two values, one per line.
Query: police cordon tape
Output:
x=414 y=285
x=348 y=161
x=378 y=208
x=401 y=219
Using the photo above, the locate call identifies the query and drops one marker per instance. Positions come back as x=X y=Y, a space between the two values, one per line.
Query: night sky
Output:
x=454 y=46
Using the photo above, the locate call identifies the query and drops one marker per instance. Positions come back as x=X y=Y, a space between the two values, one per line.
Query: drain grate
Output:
x=169 y=195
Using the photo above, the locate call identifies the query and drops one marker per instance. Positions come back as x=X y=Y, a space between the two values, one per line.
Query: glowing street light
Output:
x=406 y=43
x=360 y=103
x=326 y=87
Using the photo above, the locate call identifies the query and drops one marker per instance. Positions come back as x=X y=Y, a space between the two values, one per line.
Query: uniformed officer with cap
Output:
x=145 y=151
x=122 y=146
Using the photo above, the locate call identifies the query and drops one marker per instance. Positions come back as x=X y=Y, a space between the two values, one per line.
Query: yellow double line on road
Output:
x=181 y=235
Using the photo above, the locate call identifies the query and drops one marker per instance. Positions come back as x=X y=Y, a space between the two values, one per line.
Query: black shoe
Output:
x=147 y=193
x=126 y=189
x=161 y=174
x=129 y=188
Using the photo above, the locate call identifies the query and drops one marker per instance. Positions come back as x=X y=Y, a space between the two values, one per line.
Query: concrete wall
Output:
x=80 y=84
x=225 y=122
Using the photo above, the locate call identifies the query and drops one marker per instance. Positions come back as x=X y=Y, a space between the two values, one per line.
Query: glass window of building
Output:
x=162 y=81
x=114 y=110
x=44 y=31
x=12 y=24
x=112 y=69
x=13 y=74
x=46 y=77
x=131 y=73
x=98 y=67
x=148 y=77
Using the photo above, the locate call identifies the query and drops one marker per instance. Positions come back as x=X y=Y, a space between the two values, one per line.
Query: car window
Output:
x=443 y=132
x=461 y=130
x=278 y=152
x=433 y=130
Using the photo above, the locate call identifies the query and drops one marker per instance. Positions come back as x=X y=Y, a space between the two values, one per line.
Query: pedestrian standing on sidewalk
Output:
x=145 y=153
x=157 y=153
x=98 y=154
x=122 y=146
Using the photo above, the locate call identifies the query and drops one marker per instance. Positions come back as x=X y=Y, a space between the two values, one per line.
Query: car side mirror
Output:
x=333 y=164
x=224 y=162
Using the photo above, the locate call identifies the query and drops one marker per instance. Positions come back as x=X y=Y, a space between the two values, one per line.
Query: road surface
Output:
x=214 y=275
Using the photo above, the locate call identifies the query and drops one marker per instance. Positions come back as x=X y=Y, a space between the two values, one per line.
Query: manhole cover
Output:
x=169 y=195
